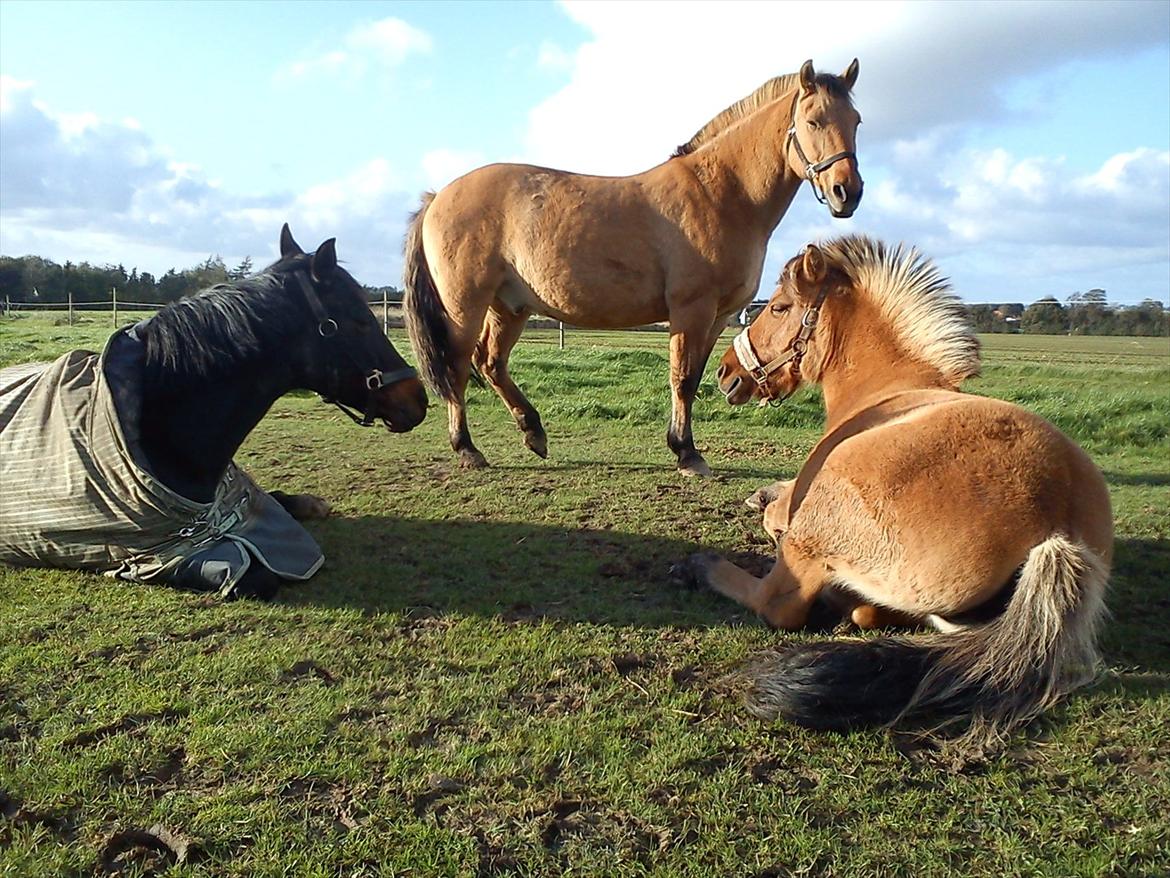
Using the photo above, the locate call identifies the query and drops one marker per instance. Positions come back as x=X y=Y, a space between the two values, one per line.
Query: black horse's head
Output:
x=345 y=356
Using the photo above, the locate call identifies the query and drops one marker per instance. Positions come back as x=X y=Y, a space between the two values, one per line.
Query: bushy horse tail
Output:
x=426 y=318
x=992 y=678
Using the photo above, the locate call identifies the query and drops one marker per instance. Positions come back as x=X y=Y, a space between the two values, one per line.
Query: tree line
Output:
x=34 y=279
x=39 y=280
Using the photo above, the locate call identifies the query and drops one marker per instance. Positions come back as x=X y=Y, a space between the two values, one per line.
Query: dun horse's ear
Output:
x=850 y=74
x=288 y=247
x=814 y=264
x=808 y=77
x=324 y=261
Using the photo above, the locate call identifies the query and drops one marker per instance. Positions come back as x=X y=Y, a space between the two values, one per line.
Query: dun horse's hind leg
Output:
x=691 y=339
x=501 y=330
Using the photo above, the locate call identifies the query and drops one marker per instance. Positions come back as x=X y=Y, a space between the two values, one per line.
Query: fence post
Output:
x=70 y=295
x=385 y=312
x=7 y=306
x=114 y=300
x=561 y=332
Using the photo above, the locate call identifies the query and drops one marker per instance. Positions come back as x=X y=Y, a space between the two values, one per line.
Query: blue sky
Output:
x=1024 y=146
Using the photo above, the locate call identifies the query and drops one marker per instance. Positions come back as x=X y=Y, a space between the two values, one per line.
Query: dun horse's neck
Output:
x=752 y=153
x=190 y=435
x=865 y=367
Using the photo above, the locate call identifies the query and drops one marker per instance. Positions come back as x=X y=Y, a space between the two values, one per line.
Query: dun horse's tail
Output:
x=426 y=318
x=993 y=678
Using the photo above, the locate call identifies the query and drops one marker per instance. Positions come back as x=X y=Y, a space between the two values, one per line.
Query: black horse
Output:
x=206 y=369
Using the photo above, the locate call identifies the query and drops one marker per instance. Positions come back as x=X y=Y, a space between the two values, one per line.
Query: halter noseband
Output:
x=811 y=169
x=793 y=353
x=375 y=378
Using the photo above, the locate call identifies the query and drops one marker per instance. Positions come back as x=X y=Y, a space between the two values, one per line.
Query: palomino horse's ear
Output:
x=288 y=247
x=324 y=261
x=808 y=77
x=850 y=75
x=813 y=263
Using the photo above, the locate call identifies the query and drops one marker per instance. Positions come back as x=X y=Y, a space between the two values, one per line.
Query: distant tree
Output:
x=982 y=317
x=242 y=270
x=1045 y=316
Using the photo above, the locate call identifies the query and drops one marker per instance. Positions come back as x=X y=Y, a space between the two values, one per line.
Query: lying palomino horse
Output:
x=683 y=242
x=968 y=513
x=122 y=464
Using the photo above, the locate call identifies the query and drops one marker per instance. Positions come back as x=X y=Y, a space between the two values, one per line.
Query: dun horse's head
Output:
x=783 y=345
x=346 y=356
x=821 y=145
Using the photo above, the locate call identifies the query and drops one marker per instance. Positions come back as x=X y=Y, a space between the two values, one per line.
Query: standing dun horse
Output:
x=965 y=512
x=682 y=242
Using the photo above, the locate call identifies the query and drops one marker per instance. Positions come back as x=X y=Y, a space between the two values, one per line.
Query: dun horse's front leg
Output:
x=691 y=340
x=782 y=598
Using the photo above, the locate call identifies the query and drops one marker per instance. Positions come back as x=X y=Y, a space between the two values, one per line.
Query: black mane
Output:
x=209 y=334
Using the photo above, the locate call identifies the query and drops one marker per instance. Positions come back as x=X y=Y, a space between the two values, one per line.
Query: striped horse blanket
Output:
x=75 y=490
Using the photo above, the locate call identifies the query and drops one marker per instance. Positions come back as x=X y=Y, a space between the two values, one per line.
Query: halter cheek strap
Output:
x=793 y=353
x=375 y=378
x=811 y=169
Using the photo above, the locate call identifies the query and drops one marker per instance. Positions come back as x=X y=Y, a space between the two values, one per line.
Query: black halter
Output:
x=376 y=379
x=811 y=169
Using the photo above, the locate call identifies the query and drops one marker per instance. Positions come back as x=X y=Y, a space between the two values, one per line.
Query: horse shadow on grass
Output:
x=511 y=570
x=528 y=571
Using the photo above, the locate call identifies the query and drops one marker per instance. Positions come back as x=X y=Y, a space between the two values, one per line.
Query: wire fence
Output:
x=540 y=330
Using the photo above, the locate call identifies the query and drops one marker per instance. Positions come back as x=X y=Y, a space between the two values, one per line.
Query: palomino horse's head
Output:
x=345 y=356
x=822 y=142
x=768 y=360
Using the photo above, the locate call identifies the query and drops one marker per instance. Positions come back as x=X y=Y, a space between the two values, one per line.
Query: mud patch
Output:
x=129 y=724
x=143 y=851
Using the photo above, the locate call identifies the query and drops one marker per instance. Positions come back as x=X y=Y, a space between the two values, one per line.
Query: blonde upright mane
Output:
x=910 y=293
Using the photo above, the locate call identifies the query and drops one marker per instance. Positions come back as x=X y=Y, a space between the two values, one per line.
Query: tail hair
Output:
x=992 y=679
x=426 y=318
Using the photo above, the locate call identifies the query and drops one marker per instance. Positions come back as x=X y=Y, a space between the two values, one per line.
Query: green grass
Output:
x=493 y=675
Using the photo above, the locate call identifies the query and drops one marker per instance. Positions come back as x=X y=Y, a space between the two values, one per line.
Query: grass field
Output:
x=493 y=675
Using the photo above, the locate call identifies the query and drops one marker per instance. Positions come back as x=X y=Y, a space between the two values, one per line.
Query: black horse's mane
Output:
x=207 y=335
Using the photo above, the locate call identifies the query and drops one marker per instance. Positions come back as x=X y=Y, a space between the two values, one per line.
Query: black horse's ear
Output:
x=850 y=75
x=324 y=261
x=288 y=247
x=808 y=77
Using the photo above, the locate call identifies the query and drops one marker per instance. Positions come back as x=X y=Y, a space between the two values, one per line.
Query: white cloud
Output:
x=551 y=56
x=105 y=192
x=441 y=166
x=386 y=43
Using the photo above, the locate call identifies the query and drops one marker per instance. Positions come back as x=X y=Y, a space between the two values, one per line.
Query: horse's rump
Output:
x=77 y=493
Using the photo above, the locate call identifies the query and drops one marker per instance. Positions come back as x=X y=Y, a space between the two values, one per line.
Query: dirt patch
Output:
x=307 y=668
x=129 y=724
x=143 y=851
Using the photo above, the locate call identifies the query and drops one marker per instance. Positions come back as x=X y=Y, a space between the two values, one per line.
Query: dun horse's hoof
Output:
x=472 y=460
x=692 y=573
x=694 y=466
x=537 y=444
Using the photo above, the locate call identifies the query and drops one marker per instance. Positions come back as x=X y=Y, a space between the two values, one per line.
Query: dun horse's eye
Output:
x=814 y=124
